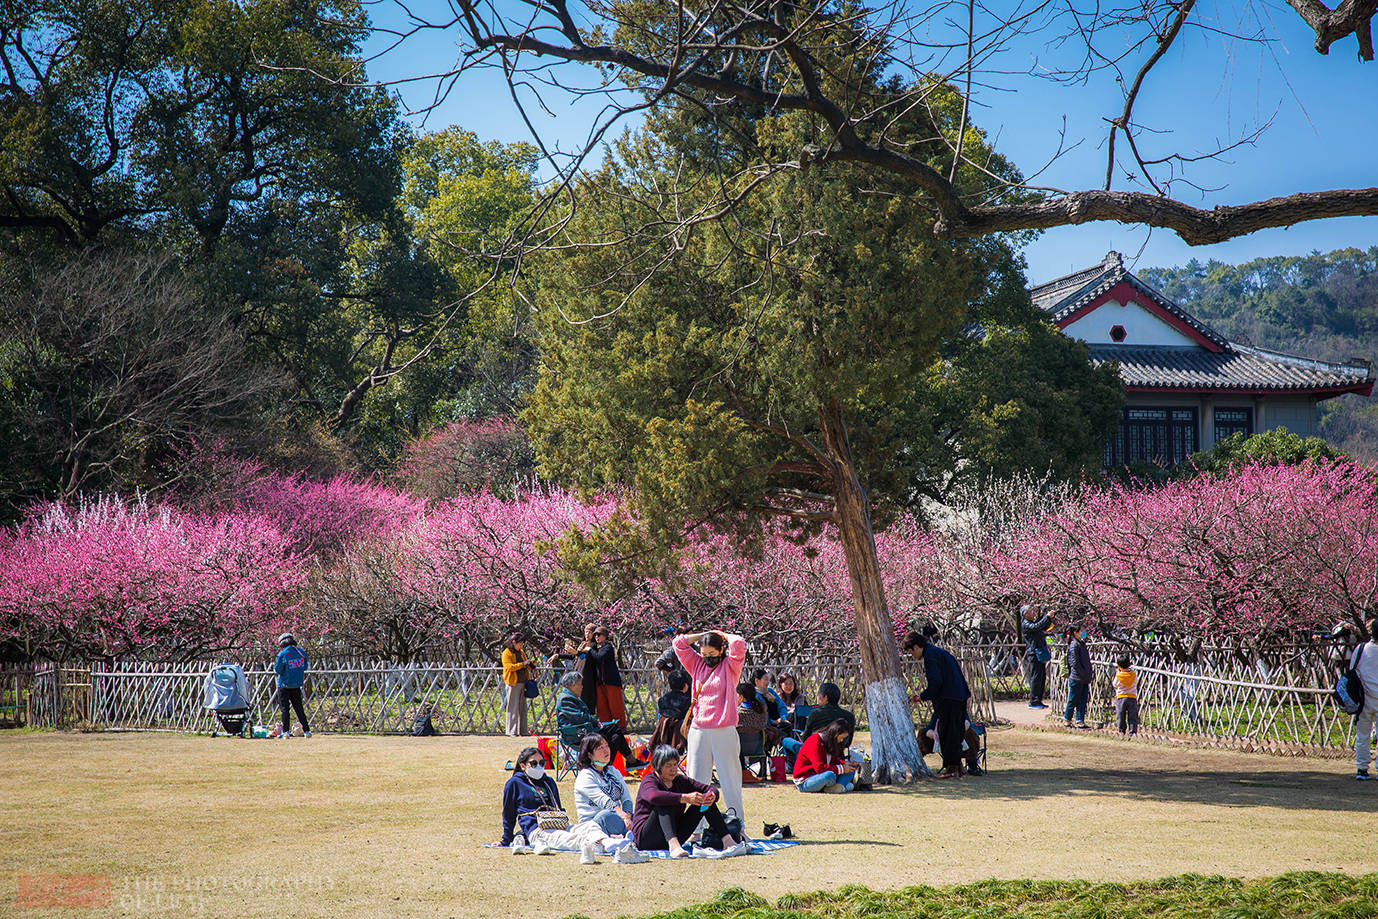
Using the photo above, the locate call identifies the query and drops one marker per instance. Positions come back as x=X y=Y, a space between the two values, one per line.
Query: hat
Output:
x=287 y=638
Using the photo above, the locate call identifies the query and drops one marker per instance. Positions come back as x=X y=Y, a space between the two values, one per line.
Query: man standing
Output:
x=291 y=673
x=947 y=690
x=1036 y=651
x=1366 y=666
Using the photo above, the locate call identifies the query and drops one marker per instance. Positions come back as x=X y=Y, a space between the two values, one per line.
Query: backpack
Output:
x=1349 y=691
x=422 y=727
x=711 y=840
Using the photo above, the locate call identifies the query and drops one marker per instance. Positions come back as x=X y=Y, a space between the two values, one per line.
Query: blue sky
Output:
x=1209 y=89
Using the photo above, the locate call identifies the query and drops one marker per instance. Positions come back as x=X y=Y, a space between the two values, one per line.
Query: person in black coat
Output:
x=948 y=691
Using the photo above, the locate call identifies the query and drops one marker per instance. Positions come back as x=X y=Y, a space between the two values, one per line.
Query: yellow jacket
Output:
x=513 y=667
x=1126 y=684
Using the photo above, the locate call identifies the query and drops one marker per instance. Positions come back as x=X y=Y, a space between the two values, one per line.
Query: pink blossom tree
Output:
x=108 y=578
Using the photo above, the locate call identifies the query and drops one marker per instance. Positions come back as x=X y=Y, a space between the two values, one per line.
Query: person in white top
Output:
x=600 y=792
x=1366 y=667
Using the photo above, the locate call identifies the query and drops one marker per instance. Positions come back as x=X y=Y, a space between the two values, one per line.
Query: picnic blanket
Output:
x=753 y=846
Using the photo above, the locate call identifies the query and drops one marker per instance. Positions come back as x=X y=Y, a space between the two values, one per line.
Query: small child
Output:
x=1126 y=697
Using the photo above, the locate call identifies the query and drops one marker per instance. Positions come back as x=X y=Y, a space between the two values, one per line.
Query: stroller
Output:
x=227 y=694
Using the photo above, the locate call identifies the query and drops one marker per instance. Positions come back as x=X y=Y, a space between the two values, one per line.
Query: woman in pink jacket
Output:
x=716 y=669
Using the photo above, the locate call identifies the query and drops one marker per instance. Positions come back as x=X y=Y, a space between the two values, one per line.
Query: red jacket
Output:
x=813 y=759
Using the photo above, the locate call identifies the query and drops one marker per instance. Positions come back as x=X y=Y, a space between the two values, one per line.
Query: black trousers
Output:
x=678 y=822
x=293 y=696
x=951 y=725
x=1038 y=680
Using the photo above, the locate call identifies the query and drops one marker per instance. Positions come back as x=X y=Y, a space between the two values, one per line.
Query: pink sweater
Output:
x=716 y=687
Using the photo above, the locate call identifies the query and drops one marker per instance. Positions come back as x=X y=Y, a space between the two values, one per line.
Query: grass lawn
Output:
x=391 y=827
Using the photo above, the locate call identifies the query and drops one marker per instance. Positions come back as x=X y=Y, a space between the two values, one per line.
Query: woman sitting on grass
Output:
x=820 y=766
x=669 y=806
x=531 y=792
x=600 y=792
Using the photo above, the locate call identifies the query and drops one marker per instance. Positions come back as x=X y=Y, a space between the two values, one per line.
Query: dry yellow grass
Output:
x=390 y=827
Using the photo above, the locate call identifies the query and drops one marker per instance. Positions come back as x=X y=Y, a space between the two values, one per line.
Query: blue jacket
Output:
x=573 y=718
x=291 y=667
x=945 y=680
x=521 y=798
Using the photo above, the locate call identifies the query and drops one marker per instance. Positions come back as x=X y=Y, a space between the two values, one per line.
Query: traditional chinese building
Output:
x=1187 y=386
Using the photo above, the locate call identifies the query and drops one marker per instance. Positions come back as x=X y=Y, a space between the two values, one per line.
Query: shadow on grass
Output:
x=1302 y=790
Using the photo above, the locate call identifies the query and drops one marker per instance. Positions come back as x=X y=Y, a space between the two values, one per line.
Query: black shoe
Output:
x=1363 y=776
x=633 y=765
x=769 y=829
x=975 y=770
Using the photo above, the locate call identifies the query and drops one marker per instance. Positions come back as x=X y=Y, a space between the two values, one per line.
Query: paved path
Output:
x=1020 y=715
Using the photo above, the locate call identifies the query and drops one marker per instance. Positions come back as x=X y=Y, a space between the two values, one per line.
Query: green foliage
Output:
x=692 y=359
x=1299 y=895
x=1277 y=447
x=1010 y=398
x=240 y=138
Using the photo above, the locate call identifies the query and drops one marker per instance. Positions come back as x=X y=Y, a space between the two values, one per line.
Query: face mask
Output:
x=535 y=773
x=713 y=660
x=1083 y=636
x=600 y=763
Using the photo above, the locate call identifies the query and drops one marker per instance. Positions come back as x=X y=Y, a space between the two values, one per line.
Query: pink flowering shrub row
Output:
x=361 y=569
x=109 y=578
x=1263 y=551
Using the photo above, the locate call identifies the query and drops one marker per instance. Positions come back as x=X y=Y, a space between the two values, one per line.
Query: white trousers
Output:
x=720 y=747
x=572 y=839
x=1363 y=730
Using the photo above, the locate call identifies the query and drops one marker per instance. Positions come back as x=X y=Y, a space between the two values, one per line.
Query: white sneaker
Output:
x=741 y=848
x=586 y=855
x=630 y=855
x=543 y=848
x=705 y=852
x=836 y=788
x=519 y=846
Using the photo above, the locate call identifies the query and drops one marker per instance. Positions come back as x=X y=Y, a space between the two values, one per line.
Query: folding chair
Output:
x=979 y=729
x=565 y=757
x=753 y=752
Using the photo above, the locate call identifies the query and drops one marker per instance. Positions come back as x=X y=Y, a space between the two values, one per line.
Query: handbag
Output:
x=533 y=689
x=552 y=819
x=1043 y=655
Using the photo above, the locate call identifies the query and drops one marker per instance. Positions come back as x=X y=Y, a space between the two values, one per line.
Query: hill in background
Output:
x=1322 y=306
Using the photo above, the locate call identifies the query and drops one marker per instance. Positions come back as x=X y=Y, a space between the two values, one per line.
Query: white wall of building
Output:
x=1141 y=327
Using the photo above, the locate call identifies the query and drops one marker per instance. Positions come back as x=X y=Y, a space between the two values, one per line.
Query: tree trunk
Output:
x=895 y=748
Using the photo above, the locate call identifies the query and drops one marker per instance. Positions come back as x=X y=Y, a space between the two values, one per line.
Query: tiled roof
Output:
x=1237 y=367
x=1062 y=297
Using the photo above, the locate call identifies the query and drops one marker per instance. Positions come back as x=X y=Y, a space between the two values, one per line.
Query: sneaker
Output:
x=543 y=848
x=741 y=848
x=705 y=852
x=1363 y=776
x=636 y=764
x=284 y=737
x=768 y=830
x=305 y=733
x=519 y=846
x=1082 y=725
x=1066 y=722
x=630 y=855
x=1037 y=705
x=586 y=856
x=975 y=770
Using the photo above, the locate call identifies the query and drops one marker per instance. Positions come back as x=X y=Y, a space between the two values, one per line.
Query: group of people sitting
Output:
x=667 y=811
